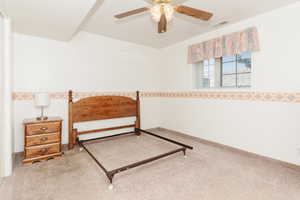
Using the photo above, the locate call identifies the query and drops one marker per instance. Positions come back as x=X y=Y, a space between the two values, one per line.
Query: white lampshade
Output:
x=41 y=99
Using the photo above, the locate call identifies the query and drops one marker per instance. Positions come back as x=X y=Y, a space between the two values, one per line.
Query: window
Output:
x=208 y=73
x=225 y=72
x=236 y=70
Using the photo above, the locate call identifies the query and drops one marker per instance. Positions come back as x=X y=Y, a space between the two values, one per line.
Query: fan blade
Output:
x=200 y=14
x=132 y=12
x=162 y=25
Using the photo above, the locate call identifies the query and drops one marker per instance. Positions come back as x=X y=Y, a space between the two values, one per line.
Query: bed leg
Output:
x=184 y=153
x=137 y=132
x=111 y=186
x=80 y=145
x=110 y=176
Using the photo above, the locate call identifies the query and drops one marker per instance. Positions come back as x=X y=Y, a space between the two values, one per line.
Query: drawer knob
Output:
x=44 y=139
x=44 y=150
x=44 y=128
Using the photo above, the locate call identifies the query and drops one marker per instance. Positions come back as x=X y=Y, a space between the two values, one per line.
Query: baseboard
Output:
x=235 y=150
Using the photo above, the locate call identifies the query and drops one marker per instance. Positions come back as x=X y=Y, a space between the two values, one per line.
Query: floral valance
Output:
x=227 y=45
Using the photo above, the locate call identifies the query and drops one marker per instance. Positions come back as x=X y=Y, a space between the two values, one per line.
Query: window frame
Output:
x=236 y=73
x=236 y=86
x=210 y=71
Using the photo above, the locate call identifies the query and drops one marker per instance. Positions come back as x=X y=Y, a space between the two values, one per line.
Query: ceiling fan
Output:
x=162 y=11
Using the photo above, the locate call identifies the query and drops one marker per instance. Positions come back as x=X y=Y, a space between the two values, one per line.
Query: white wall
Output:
x=87 y=63
x=266 y=128
x=6 y=139
x=1 y=93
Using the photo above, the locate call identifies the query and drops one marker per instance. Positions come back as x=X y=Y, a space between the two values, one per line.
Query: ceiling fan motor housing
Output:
x=159 y=9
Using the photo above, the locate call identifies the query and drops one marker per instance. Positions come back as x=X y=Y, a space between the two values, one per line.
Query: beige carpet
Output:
x=208 y=173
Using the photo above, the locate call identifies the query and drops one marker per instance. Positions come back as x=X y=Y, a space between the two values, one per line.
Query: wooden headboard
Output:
x=100 y=108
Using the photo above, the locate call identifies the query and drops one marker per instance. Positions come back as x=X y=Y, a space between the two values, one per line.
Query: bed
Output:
x=111 y=107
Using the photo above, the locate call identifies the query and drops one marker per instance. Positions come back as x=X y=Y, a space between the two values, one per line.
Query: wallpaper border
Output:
x=292 y=97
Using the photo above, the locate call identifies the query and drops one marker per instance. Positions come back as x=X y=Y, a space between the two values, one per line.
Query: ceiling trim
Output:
x=87 y=18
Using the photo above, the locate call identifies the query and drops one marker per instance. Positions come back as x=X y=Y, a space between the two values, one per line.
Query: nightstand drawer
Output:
x=42 y=139
x=42 y=150
x=42 y=128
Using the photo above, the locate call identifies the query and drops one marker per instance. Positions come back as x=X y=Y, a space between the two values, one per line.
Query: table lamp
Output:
x=42 y=100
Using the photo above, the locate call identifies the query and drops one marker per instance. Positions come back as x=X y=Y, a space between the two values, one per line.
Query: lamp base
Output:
x=41 y=118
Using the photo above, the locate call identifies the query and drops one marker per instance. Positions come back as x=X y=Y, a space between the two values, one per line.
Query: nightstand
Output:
x=42 y=139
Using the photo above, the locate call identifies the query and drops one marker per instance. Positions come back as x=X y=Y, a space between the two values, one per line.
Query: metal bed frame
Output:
x=114 y=110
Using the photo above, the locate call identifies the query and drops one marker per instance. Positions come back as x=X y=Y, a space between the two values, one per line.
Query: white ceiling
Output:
x=56 y=19
x=61 y=19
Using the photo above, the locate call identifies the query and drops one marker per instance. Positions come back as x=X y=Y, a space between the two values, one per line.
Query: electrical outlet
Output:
x=298 y=150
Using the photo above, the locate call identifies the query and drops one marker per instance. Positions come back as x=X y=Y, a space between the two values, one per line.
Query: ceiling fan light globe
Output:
x=156 y=12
